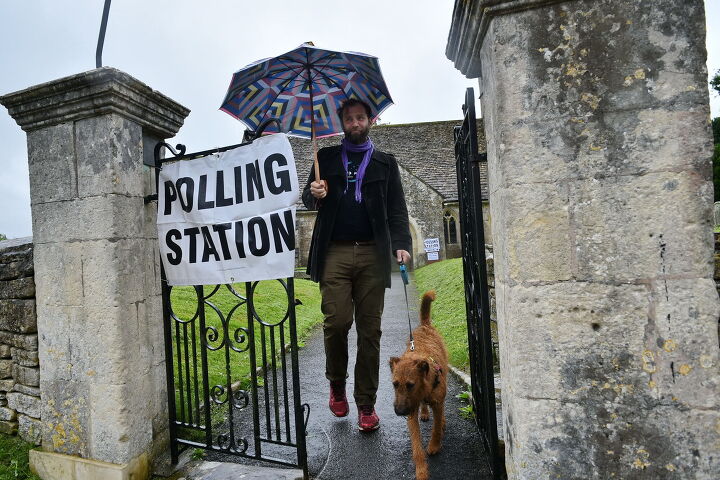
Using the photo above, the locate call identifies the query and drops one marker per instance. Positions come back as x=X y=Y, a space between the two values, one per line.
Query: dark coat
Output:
x=384 y=200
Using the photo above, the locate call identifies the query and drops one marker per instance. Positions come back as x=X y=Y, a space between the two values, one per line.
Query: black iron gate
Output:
x=477 y=300
x=233 y=380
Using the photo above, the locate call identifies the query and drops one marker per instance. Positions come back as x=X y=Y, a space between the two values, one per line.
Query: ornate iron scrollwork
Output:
x=216 y=394
x=241 y=399
x=211 y=412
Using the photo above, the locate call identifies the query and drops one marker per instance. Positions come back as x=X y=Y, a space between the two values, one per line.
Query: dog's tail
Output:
x=427 y=299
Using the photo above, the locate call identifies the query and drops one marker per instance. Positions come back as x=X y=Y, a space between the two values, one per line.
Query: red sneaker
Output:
x=338 y=401
x=368 y=420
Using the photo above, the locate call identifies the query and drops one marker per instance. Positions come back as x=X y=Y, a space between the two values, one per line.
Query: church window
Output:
x=450 y=228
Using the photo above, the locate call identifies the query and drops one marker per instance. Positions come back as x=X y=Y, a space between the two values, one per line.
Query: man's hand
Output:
x=318 y=189
x=403 y=256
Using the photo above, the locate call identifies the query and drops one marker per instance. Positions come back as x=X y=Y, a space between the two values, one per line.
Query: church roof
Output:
x=426 y=150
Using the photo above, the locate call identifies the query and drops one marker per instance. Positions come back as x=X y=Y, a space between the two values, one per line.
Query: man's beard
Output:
x=357 y=137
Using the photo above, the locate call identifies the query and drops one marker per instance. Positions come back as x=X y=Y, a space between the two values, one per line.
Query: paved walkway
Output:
x=338 y=450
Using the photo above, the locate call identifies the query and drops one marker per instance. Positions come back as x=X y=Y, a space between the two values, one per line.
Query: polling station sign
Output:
x=230 y=216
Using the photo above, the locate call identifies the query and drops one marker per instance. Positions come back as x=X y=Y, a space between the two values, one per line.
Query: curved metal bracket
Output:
x=306 y=409
x=158 y=164
x=251 y=135
x=176 y=153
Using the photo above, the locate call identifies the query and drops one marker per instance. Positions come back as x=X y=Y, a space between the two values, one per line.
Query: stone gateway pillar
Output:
x=102 y=362
x=597 y=123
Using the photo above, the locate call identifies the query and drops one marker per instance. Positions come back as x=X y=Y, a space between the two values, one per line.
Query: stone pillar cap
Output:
x=470 y=22
x=92 y=93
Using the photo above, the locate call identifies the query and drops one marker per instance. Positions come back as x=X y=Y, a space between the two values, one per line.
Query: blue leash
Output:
x=406 y=280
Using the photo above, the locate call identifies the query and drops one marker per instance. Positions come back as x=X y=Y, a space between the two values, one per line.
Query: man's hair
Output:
x=351 y=102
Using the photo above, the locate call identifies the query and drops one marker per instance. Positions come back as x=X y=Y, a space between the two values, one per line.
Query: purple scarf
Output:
x=366 y=147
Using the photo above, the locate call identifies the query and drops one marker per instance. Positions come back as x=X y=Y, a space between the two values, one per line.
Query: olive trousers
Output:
x=352 y=288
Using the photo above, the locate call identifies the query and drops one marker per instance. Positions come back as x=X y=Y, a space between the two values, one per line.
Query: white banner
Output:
x=229 y=217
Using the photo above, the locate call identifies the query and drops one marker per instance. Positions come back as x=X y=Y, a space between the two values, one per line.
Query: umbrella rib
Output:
x=285 y=84
x=329 y=77
x=329 y=80
x=285 y=87
x=290 y=66
x=318 y=68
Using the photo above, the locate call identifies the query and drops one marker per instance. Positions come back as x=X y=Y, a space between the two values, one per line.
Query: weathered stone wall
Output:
x=20 y=407
x=304 y=221
x=596 y=116
x=425 y=209
x=96 y=263
x=716 y=275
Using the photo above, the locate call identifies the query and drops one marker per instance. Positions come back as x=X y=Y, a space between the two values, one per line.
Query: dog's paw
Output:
x=424 y=413
x=433 y=448
x=422 y=474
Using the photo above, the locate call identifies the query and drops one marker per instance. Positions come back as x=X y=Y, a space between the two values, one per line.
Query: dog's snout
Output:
x=401 y=410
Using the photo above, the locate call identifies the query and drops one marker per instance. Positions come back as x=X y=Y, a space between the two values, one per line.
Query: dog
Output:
x=420 y=381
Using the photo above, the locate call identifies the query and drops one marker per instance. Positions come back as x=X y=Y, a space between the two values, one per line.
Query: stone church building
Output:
x=426 y=155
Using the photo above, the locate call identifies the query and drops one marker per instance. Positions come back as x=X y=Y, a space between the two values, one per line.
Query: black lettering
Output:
x=193 y=232
x=170 y=196
x=170 y=238
x=220 y=199
x=283 y=175
x=239 y=242
x=238 y=184
x=209 y=246
x=222 y=228
x=287 y=231
x=264 y=239
x=187 y=202
x=203 y=203
x=254 y=181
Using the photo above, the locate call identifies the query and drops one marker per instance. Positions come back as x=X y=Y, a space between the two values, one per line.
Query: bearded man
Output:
x=361 y=226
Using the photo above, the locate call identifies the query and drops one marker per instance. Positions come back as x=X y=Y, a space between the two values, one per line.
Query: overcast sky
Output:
x=188 y=50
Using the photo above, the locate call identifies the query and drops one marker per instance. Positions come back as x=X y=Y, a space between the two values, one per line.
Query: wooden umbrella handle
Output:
x=315 y=159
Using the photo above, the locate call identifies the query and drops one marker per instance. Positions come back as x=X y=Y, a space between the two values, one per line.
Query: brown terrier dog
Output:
x=420 y=380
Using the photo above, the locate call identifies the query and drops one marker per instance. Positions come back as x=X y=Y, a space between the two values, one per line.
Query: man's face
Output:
x=356 y=124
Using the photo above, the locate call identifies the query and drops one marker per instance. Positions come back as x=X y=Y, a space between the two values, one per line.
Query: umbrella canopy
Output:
x=284 y=87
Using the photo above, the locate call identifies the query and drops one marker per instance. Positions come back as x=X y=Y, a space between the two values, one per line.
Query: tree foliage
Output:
x=715 y=83
x=2 y=237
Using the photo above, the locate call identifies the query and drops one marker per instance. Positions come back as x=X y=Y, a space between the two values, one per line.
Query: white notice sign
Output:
x=433 y=256
x=229 y=217
x=432 y=244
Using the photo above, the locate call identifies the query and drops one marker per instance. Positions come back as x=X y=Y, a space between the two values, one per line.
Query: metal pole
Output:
x=101 y=37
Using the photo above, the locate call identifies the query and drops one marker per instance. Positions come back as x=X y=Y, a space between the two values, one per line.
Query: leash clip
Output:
x=412 y=345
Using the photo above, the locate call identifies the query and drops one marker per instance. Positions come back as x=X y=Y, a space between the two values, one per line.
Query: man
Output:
x=362 y=223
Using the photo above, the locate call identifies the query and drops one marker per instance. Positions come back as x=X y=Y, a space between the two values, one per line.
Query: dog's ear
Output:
x=392 y=362
x=423 y=366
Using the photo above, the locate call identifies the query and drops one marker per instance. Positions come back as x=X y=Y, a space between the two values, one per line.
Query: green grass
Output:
x=466 y=411
x=14 y=459
x=270 y=303
x=448 y=310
